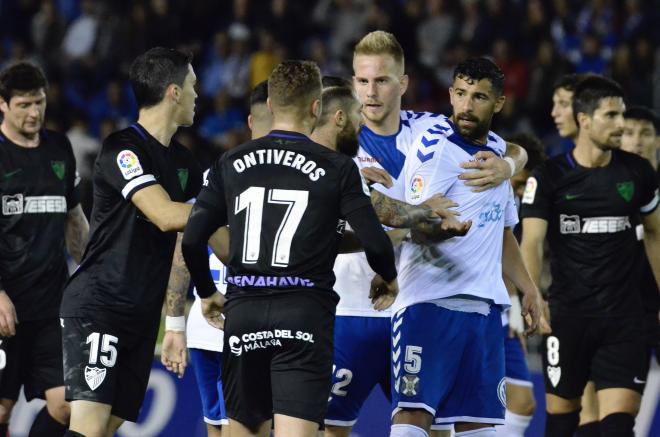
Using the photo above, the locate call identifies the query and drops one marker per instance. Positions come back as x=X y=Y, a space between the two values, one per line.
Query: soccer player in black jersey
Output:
x=586 y=202
x=41 y=218
x=282 y=196
x=640 y=136
x=112 y=304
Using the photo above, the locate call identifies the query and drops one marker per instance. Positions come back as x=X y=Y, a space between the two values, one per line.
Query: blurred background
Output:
x=86 y=47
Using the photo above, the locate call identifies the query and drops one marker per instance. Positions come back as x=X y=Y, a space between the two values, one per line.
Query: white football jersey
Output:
x=199 y=334
x=461 y=266
x=389 y=153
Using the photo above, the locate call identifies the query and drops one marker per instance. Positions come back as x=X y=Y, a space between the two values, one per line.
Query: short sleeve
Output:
x=430 y=170
x=354 y=192
x=126 y=167
x=213 y=189
x=511 y=211
x=73 y=179
x=536 y=200
x=649 y=198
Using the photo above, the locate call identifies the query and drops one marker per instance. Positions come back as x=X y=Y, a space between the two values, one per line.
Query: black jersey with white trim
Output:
x=123 y=274
x=38 y=187
x=285 y=198
x=591 y=215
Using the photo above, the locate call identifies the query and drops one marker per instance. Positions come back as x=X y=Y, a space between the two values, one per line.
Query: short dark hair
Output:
x=533 y=147
x=331 y=81
x=21 y=78
x=333 y=98
x=481 y=68
x=294 y=82
x=643 y=113
x=568 y=82
x=156 y=69
x=590 y=91
x=259 y=94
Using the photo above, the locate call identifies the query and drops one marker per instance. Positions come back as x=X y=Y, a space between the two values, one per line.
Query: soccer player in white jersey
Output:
x=362 y=335
x=447 y=345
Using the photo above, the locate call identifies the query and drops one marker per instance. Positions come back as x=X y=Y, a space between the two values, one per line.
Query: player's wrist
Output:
x=512 y=165
x=175 y=323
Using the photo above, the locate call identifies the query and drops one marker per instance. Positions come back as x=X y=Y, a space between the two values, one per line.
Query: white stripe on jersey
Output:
x=469 y=265
x=134 y=183
x=352 y=270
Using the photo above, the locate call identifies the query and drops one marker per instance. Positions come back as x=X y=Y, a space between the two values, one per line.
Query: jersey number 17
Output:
x=252 y=200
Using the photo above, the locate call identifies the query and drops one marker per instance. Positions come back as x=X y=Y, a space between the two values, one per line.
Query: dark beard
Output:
x=475 y=134
x=347 y=141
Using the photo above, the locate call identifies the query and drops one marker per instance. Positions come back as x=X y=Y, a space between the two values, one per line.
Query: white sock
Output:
x=514 y=425
x=481 y=432
x=404 y=430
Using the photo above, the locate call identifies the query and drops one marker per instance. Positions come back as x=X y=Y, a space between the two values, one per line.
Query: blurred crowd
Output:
x=86 y=47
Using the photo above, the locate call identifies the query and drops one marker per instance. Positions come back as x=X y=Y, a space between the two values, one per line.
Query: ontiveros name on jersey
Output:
x=572 y=224
x=15 y=204
x=288 y=158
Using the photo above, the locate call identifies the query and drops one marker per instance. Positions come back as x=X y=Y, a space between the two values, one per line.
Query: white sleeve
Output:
x=511 y=211
x=430 y=169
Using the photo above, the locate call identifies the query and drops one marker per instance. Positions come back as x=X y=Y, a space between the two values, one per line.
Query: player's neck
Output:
x=16 y=137
x=587 y=154
x=387 y=126
x=159 y=123
x=324 y=137
x=304 y=127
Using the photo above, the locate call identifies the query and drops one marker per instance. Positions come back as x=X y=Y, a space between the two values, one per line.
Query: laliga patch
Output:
x=129 y=164
x=94 y=376
x=530 y=190
x=416 y=187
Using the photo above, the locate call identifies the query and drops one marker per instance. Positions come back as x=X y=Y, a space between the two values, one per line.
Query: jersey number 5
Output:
x=252 y=200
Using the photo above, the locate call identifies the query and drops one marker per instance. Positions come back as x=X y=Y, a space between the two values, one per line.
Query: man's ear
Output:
x=340 y=118
x=403 y=84
x=173 y=92
x=316 y=108
x=583 y=120
x=250 y=122
x=269 y=105
x=499 y=103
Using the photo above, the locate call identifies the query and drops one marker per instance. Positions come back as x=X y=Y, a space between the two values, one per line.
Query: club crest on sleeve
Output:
x=530 y=190
x=94 y=377
x=416 y=187
x=129 y=164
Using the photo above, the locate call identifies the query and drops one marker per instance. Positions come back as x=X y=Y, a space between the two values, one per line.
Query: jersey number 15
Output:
x=252 y=200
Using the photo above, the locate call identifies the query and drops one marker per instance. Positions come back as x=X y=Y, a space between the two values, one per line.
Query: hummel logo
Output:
x=572 y=196
x=636 y=380
x=12 y=173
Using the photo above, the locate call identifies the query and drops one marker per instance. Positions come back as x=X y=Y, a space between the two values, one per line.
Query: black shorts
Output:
x=106 y=364
x=611 y=352
x=32 y=358
x=278 y=357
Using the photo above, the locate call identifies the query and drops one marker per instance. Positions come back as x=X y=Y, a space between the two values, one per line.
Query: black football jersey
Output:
x=124 y=272
x=38 y=187
x=284 y=197
x=591 y=215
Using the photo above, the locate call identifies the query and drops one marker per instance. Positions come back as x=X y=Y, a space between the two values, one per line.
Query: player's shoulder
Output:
x=130 y=137
x=632 y=159
x=57 y=140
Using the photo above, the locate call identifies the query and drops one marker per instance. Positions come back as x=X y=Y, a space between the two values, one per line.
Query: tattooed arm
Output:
x=397 y=214
x=76 y=232
x=174 y=354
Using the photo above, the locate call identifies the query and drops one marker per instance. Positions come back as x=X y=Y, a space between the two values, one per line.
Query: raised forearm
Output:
x=518 y=154
x=397 y=214
x=177 y=286
x=76 y=233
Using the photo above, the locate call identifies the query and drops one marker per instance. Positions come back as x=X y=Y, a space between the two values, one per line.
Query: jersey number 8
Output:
x=252 y=200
